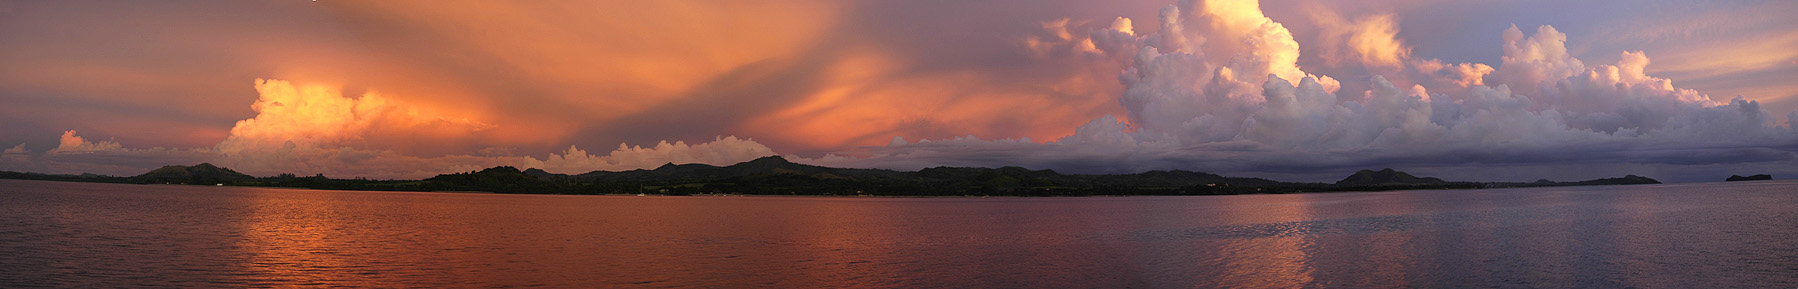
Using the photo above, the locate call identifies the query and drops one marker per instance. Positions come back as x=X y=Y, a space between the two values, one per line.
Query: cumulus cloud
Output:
x=72 y=144
x=318 y=115
x=1214 y=89
x=1454 y=74
x=1056 y=38
x=1528 y=62
x=1371 y=40
x=17 y=158
x=314 y=129
x=18 y=149
x=376 y=163
x=76 y=154
x=1207 y=85
x=307 y=128
x=723 y=150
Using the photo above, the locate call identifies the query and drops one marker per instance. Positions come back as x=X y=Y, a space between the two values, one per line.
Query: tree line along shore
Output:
x=774 y=175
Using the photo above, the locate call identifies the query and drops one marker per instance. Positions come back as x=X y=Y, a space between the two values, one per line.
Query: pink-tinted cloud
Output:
x=1190 y=108
x=399 y=88
x=1372 y=40
x=73 y=144
x=314 y=129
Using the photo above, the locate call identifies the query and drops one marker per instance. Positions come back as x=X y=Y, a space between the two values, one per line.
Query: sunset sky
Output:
x=1296 y=90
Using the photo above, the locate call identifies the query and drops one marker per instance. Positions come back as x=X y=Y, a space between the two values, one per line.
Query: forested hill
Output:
x=775 y=175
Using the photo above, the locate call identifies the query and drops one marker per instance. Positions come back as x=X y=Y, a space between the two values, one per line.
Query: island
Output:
x=1760 y=177
x=775 y=175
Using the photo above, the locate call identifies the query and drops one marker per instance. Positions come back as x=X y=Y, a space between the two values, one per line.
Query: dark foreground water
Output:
x=1714 y=235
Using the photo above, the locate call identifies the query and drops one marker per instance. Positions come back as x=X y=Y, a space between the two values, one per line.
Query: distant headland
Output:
x=1760 y=177
x=774 y=175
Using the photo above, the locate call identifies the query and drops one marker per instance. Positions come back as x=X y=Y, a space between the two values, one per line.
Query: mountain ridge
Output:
x=776 y=175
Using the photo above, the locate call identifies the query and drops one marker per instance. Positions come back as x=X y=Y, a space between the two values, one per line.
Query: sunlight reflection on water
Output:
x=107 y=235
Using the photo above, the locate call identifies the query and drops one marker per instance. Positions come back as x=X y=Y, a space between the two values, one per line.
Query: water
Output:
x=1712 y=235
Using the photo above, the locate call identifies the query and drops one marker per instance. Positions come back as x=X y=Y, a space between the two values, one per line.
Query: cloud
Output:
x=1213 y=85
x=1057 y=39
x=337 y=161
x=720 y=151
x=1528 y=62
x=73 y=144
x=314 y=129
x=172 y=72
x=1244 y=109
x=1371 y=40
x=387 y=164
x=311 y=129
x=305 y=127
x=75 y=154
x=1457 y=74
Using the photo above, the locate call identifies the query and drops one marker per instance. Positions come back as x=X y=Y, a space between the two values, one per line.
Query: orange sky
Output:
x=427 y=79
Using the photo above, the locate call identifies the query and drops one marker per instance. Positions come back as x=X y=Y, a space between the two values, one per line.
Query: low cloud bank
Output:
x=314 y=129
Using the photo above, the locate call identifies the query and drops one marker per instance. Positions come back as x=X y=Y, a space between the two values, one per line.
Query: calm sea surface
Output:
x=1712 y=235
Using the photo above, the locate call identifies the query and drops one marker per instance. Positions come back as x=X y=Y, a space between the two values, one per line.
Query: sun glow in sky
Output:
x=1289 y=89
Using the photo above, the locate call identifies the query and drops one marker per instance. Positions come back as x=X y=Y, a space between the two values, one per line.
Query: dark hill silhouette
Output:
x=759 y=166
x=85 y=177
x=1387 y=177
x=1625 y=180
x=539 y=173
x=776 y=175
x=1760 y=177
x=201 y=174
x=502 y=179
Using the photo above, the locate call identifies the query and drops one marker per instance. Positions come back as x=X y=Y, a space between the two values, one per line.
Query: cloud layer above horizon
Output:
x=316 y=130
x=1217 y=88
x=1300 y=90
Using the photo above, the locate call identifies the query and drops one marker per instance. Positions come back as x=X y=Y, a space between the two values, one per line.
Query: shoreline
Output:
x=891 y=196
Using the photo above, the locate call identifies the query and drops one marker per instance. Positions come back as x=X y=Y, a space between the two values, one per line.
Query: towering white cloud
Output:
x=1216 y=89
x=311 y=128
x=1528 y=62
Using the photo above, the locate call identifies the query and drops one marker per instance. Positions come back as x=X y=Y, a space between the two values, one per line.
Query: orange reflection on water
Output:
x=1687 y=236
x=288 y=242
x=1280 y=261
x=843 y=244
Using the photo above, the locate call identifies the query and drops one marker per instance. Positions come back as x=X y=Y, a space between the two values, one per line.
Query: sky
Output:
x=1297 y=90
